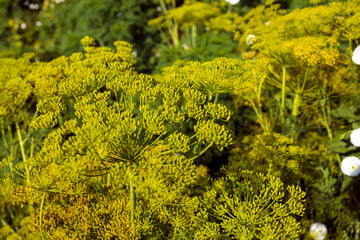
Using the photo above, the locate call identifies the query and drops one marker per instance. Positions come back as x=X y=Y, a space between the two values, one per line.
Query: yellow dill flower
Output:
x=313 y=51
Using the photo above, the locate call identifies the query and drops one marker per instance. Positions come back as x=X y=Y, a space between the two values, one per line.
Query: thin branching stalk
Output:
x=193 y=35
x=4 y=136
x=259 y=114
x=4 y=223
x=41 y=213
x=22 y=149
x=132 y=201
x=283 y=93
x=172 y=26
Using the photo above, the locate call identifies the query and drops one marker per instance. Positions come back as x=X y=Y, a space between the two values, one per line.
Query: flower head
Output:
x=350 y=166
x=318 y=231
x=250 y=39
x=232 y=2
x=356 y=55
x=355 y=137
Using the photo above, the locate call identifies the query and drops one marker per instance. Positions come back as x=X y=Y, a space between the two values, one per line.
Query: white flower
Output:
x=34 y=6
x=185 y=47
x=250 y=39
x=267 y=23
x=318 y=231
x=232 y=2
x=356 y=55
x=350 y=166
x=38 y=24
x=355 y=137
x=135 y=53
x=23 y=26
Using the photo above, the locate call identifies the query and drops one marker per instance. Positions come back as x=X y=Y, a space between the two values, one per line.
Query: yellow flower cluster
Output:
x=275 y=149
x=314 y=51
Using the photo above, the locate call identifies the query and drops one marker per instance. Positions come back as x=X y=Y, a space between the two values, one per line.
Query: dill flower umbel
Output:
x=355 y=137
x=356 y=55
x=350 y=166
x=318 y=231
x=233 y=2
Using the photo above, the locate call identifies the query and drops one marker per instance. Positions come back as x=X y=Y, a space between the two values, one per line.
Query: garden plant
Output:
x=180 y=120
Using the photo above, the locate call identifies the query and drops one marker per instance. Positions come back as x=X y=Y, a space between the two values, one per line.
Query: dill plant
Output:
x=308 y=93
x=118 y=160
x=122 y=164
x=125 y=144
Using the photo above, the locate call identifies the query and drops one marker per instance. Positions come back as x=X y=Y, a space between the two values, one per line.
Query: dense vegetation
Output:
x=179 y=119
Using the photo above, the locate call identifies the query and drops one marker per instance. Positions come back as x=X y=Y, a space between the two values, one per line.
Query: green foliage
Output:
x=129 y=141
x=92 y=149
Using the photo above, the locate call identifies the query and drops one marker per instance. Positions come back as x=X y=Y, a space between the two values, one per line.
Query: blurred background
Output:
x=51 y=28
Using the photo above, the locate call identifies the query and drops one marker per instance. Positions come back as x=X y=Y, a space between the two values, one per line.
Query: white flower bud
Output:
x=250 y=39
x=350 y=166
x=23 y=25
x=356 y=55
x=232 y=2
x=355 y=137
x=318 y=231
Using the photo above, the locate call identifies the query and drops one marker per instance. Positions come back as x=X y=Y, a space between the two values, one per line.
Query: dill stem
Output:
x=41 y=213
x=326 y=123
x=6 y=144
x=270 y=165
x=3 y=135
x=259 y=115
x=216 y=98
x=193 y=35
x=283 y=92
x=21 y=143
x=132 y=201
x=357 y=229
x=173 y=28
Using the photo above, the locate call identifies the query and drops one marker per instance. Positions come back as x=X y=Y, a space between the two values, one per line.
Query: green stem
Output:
x=172 y=27
x=132 y=201
x=325 y=118
x=270 y=165
x=283 y=93
x=108 y=180
x=10 y=134
x=357 y=229
x=41 y=213
x=216 y=98
x=21 y=143
x=193 y=34
x=60 y=121
x=4 y=136
x=296 y=105
x=259 y=115
x=4 y=223
x=202 y=151
x=6 y=144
